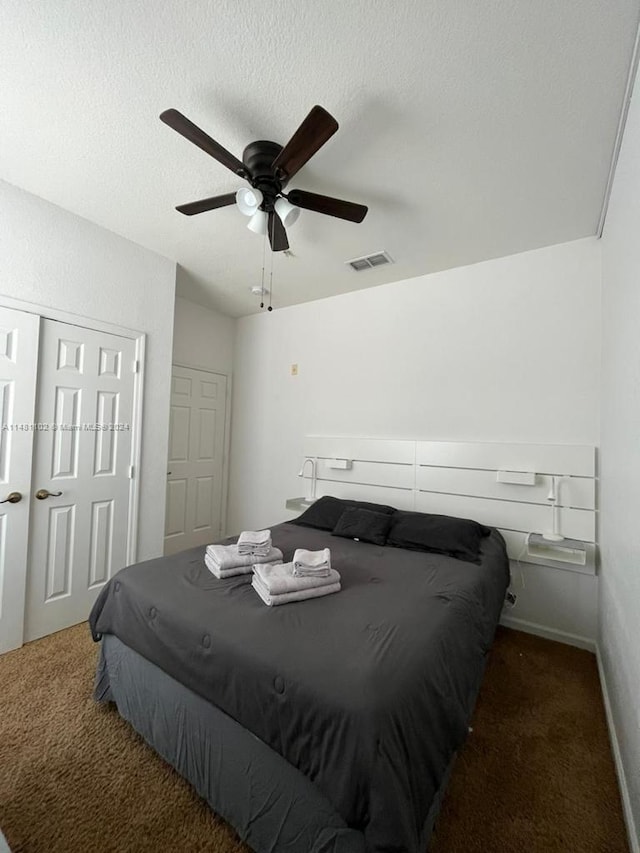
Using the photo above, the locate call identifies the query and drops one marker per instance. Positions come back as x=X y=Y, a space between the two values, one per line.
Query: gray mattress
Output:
x=368 y=693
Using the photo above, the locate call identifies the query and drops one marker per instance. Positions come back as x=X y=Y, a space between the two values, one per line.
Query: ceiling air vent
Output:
x=378 y=259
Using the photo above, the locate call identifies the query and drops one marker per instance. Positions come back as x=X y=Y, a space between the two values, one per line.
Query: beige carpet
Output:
x=536 y=775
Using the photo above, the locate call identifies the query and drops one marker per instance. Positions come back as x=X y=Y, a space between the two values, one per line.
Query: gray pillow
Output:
x=442 y=534
x=363 y=524
x=325 y=513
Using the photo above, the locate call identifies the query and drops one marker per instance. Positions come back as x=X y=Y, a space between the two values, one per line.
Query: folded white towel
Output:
x=311 y=563
x=278 y=578
x=254 y=537
x=254 y=542
x=215 y=569
x=302 y=572
x=247 y=550
x=287 y=597
x=226 y=557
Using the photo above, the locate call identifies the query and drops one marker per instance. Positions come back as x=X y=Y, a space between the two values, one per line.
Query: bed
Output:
x=326 y=725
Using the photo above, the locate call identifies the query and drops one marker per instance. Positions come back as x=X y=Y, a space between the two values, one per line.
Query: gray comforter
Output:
x=367 y=692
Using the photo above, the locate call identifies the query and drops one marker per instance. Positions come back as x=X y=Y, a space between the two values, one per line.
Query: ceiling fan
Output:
x=268 y=167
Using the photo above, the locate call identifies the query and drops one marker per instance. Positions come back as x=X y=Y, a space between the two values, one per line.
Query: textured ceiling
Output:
x=471 y=129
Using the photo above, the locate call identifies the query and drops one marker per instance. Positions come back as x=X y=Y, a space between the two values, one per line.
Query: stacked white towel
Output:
x=224 y=561
x=257 y=542
x=277 y=584
x=316 y=564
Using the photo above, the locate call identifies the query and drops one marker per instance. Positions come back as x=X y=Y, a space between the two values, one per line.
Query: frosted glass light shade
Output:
x=248 y=200
x=287 y=212
x=258 y=222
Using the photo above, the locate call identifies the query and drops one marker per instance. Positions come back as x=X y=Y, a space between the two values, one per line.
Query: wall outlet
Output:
x=294 y=369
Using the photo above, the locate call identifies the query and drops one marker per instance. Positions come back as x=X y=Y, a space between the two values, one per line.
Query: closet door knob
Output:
x=12 y=498
x=41 y=494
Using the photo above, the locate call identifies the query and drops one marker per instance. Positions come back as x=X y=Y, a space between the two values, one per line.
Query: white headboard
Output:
x=461 y=479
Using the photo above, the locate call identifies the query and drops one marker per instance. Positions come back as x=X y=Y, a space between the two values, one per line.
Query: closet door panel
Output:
x=19 y=334
x=78 y=534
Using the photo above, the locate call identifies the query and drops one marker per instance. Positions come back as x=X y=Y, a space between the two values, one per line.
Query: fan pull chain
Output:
x=264 y=249
x=273 y=232
x=271 y=281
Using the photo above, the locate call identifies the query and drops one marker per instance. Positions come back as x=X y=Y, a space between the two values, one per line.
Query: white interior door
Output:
x=18 y=367
x=196 y=458
x=82 y=458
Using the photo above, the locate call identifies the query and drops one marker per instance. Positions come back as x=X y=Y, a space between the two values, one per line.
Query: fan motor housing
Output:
x=258 y=158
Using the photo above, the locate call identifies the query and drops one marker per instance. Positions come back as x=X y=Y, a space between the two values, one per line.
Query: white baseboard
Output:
x=548 y=633
x=634 y=837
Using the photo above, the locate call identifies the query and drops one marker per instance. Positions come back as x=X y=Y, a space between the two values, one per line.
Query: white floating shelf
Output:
x=299 y=504
x=340 y=464
x=570 y=554
x=518 y=478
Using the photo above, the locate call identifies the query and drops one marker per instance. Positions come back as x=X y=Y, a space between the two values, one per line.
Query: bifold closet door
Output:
x=81 y=473
x=18 y=365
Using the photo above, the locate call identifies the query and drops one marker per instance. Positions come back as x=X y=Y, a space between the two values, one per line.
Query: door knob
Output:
x=12 y=498
x=41 y=494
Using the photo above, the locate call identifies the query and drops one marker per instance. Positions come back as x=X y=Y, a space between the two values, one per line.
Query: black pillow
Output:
x=442 y=534
x=363 y=524
x=325 y=513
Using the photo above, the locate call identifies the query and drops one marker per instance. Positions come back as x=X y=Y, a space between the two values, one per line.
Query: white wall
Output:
x=504 y=350
x=52 y=258
x=202 y=337
x=620 y=457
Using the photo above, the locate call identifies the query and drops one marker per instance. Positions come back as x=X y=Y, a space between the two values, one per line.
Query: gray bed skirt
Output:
x=272 y=806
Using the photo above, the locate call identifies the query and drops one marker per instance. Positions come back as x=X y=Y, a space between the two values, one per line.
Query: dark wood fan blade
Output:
x=330 y=206
x=207 y=204
x=277 y=233
x=315 y=130
x=190 y=131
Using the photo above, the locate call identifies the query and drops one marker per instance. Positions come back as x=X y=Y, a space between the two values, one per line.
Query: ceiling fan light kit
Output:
x=268 y=167
x=258 y=222
x=248 y=200
x=287 y=212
